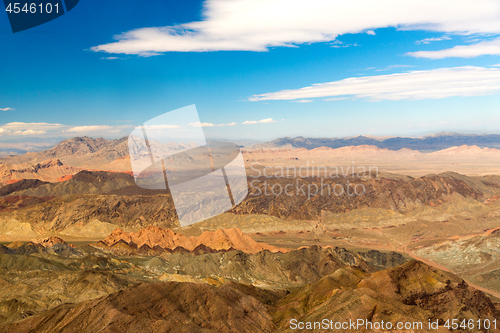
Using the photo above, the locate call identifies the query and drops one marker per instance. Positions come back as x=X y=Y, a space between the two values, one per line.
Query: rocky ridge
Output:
x=220 y=240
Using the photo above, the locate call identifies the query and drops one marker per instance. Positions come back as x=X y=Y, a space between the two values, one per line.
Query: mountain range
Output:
x=85 y=149
x=424 y=144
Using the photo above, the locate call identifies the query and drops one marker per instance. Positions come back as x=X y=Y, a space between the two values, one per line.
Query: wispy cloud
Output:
x=111 y=58
x=263 y=121
x=303 y=101
x=462 y=51
x=200 y=124
x=415 y=85
x=230 y=25
x=430 y=40
x=80 y=129
x=338 y=44
x=388 y=68
x=6 y=109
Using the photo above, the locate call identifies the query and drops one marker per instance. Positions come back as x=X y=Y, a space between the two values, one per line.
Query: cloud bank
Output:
x=415 y=85
x=256 y=25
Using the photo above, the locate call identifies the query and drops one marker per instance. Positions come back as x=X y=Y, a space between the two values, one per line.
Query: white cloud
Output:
x=263 y=121
x=303 y=101
x=200 y=124
x=32 y=126
x=28 y=132
x=342 y=45
x=6 y=109
x=371 y=32
x=110 y=58
x=79 y=129
x=497 y=65
x=462 y=51
x=430 y=40
x=20 y=128
x=160 y=127
x=232 y=25
x=415 y=85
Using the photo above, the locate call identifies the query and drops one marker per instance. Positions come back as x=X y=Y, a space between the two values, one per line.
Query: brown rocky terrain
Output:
x=83 y=182
x=411 y=293
x=475 y=257
x=394 y=193
x=15 y=202
x=45 y=273
x=80 y=200
x=47 y=170
x=396 y=213
x=159 y=307
x=20 y=185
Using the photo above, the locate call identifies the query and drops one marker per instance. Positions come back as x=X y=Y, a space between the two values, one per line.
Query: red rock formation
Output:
x=222 y=239
x=64 y=178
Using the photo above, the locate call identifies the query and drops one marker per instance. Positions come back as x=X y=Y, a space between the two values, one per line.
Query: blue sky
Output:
x=268 y=70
